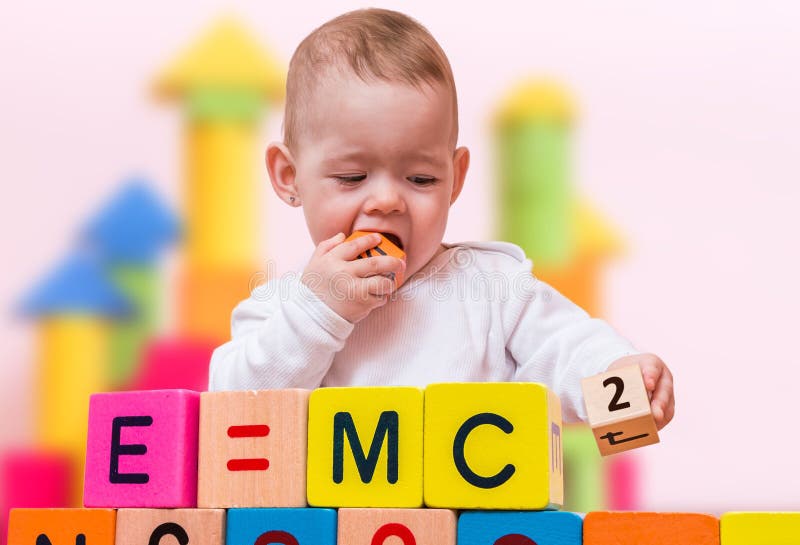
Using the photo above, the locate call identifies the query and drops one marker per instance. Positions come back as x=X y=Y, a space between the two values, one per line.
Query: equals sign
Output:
x=248 y=464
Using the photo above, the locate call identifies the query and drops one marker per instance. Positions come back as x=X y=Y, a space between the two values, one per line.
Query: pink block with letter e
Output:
x=142 y=449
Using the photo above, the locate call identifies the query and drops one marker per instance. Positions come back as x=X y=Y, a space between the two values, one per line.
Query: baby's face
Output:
x=380 y=157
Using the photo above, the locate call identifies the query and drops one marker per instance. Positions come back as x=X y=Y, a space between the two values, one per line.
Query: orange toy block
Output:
x=207 y=296
x=619 y=410
x=61 y=526
x=253 y=448
x=630 y=528
x=195 y=526
x=397 y=526
x=386 y=247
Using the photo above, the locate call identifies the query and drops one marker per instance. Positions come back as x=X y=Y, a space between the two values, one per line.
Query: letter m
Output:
x=387 y=428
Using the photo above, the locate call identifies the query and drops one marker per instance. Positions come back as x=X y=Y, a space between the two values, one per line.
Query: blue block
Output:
x=519 y=528
x=307 y=526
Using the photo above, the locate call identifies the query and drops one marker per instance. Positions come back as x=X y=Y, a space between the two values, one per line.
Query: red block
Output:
x=174 y=363
x=33 y=478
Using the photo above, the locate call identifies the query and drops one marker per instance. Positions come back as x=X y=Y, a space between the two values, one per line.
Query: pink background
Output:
x=687 y=139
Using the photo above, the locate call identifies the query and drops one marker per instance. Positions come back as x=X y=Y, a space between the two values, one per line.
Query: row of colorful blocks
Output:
x=319 y=526
x=460 y=446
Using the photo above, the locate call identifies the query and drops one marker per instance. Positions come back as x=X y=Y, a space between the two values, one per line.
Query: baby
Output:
x=370 y=134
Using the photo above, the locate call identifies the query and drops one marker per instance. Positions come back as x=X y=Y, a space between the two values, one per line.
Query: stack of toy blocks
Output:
x=350 y=466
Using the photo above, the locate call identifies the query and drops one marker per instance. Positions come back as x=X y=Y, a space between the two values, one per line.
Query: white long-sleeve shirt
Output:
x=473 y=313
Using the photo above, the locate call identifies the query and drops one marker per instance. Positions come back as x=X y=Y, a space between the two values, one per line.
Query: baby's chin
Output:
x=413 y=269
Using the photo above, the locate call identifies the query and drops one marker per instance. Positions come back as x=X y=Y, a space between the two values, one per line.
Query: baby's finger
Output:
x=662 y=399
x=326 y=245
x=378 y=285
x=652 y=370
x=371 y=266
x=351 y=249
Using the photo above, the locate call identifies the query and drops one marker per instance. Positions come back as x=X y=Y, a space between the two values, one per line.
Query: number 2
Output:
x=615 y=405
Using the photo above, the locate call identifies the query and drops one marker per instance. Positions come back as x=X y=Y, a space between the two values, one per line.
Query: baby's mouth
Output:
x=394 y=239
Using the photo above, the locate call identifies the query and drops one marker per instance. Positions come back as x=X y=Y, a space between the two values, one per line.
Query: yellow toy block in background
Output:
x=365 y=447
x=493 y=446
x=760 y=528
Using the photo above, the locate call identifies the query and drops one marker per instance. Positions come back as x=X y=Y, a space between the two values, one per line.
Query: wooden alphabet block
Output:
x=397 y=526
x=195 y=526
x=365 y=447
x=492 y=446
x=61 y=526
x=253 y=448
x=386 y=247
x=619 y=410
x=631 y=528
x=282 y=526
x=760 y=528
x=520 y=528
x=142 y=449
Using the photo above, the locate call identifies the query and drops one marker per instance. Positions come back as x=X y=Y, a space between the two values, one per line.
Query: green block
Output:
x=535 y=192
x=128 y=337
x=584 y=471
x=224 y=105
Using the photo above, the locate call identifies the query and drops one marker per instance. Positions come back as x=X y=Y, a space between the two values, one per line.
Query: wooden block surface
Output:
x=619 y=410
x=365 y=447
x=142 y=449
x=740 y=528
x=253 y=448
x=282 y=526
x=632 y=528
x=61 y=526
x=492 y=446
x=194 y=526
x=520 y=528
x=396 y=526
x=386 y=247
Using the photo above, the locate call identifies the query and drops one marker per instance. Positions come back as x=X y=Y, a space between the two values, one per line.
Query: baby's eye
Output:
x=351 y=178
x=421 y=180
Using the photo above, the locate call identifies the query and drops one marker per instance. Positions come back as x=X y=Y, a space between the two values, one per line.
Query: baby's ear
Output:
x=460 y=167
x=280 y=165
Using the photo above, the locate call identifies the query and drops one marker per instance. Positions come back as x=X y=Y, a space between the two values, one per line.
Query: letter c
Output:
x=460 y=440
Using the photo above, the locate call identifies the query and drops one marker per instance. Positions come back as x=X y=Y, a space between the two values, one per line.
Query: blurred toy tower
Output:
x=568 y=242
x=128 y=234
x=222 y=81
x=75 y=307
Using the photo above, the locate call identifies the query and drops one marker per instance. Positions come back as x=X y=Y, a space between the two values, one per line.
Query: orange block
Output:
x=207 y=296
x=62 y=526
x=630 y=528
x=386 y=247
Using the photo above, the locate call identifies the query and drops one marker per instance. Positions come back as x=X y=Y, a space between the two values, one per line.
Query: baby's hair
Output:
x=374 y=44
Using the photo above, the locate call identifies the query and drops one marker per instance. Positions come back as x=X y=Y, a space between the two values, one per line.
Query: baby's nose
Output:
x=384 y=197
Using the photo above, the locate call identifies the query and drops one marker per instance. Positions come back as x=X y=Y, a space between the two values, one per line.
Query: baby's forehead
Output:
x=343 y=102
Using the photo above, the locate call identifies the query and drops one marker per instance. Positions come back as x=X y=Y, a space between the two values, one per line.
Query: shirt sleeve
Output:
x=556 y=342
x=283 y=336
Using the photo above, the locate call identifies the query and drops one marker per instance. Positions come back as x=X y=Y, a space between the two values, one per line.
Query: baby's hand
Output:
x=351 y=287
x=657 y=381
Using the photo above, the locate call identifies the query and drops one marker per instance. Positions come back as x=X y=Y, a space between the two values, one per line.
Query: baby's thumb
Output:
x=326 y=245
